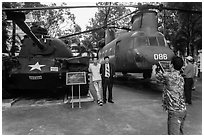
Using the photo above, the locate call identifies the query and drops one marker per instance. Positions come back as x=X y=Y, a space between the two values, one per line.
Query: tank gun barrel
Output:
x=19 y=18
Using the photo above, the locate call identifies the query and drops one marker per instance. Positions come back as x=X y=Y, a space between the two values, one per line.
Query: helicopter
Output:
x=44 y=61
x=137 y=50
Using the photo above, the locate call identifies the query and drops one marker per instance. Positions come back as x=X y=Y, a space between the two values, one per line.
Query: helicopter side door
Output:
x=121 y=49
x=118 y=64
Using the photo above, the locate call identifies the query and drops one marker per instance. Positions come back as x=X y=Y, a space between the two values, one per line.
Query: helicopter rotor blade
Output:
x=105 y=26
x=63 y=7
x=139 y=6
x=92 y=30
x=161 y=7
x=80 y=33
x=183 y=10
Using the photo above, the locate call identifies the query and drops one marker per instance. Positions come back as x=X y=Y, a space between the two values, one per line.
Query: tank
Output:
x=43 y=62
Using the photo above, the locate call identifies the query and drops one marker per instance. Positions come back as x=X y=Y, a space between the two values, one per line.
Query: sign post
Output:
x=72 y=96
x=75 y=78
x=79 y=98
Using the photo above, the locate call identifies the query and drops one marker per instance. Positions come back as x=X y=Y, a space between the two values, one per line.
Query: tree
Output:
x=58 y=22
x=189 y=33
x=168 y=24
x=5 y=28
x=4 y=35
x=11 y=44
x=103 y=17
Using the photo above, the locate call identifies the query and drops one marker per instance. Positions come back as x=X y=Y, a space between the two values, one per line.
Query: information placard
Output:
x=75 y=78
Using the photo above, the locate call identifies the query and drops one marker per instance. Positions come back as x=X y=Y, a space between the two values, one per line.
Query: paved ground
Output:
x=137 y=110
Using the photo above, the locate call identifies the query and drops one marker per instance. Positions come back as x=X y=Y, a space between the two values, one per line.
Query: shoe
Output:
x=100 y=103
x=110 y=101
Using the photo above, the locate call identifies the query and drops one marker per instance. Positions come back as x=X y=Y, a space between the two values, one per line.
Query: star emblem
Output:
x=36 y=66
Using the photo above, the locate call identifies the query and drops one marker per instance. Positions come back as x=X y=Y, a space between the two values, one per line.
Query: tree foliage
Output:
x=102 y=18
x=6 y=31
x=187 y=36
x=58 y=22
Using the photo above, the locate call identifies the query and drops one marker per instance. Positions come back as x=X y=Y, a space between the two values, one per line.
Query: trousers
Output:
x=106 y=82
x=98 y=87
x=176 y=122
x=188 y=85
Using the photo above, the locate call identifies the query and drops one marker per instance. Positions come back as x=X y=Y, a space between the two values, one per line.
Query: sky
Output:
x=82 y=15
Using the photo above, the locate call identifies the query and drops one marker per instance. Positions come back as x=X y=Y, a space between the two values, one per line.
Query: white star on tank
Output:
x=36 y=66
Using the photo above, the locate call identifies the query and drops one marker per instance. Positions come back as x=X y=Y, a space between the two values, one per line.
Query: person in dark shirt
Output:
x=172 y=97
x=107 y=72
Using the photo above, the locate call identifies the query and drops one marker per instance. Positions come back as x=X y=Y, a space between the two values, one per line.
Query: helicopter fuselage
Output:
x=136 y=51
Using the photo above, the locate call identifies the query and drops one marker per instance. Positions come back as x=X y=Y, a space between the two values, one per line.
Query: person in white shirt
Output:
x=96 y=79
x=195 y=74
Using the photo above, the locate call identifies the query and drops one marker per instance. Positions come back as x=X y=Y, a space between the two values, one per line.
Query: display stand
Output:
x=73 y=97
x=75 y=78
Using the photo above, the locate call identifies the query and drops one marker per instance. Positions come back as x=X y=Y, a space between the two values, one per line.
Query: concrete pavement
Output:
x=137 y=111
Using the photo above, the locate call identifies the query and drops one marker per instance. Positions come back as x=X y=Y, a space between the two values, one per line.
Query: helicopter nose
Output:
x=153 y=54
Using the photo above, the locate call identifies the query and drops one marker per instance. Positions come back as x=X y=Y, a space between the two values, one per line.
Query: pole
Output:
x=72 y=97
x=79 y=97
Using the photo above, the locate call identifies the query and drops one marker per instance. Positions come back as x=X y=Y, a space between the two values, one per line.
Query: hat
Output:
x=189 y=58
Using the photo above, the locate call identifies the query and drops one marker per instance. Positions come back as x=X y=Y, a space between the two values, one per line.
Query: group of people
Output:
x=178 y=85
x=102 y=78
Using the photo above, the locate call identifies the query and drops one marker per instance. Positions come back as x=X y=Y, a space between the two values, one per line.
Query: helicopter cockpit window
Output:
x=161 y=41
x=153 y=41
x=140 y=41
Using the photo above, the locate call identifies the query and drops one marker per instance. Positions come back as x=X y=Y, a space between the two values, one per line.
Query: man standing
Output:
x=107 y=72
x=195 y=74
x=172 y=97
x=96 y=79
x=188 y=79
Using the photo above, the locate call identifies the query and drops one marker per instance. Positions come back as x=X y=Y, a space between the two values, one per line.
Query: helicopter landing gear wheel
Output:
x=147 y=74
x=124 y=73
